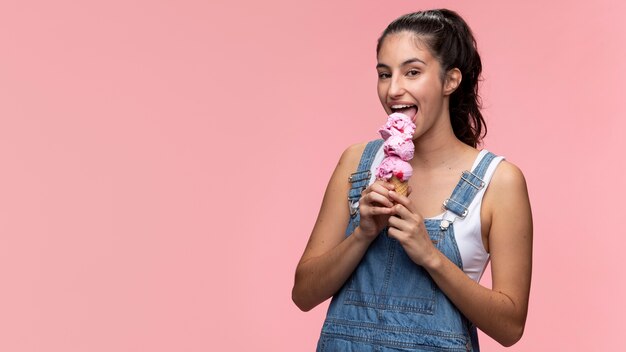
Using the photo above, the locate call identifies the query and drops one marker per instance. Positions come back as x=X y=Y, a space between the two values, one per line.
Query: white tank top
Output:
x=467 y=231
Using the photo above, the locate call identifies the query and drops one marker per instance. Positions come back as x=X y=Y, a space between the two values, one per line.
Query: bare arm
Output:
x=501 y=311
x=330 y=258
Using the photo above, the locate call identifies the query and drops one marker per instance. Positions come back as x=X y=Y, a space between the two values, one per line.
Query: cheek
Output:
x=428 y=92
x=381 y=94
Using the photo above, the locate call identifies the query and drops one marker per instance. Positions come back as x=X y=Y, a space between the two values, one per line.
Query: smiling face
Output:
x=409 y=81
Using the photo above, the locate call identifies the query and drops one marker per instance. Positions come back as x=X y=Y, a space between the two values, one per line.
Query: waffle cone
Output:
x=400 y=186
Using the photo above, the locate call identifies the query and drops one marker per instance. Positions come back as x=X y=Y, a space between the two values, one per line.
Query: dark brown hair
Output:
x=451 y=42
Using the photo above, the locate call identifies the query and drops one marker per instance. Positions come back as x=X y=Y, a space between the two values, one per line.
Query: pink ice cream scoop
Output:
x=397 y=124
x=394 y=166
x=400 y=147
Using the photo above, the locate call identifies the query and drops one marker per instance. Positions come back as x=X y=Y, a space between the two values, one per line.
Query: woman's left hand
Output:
x=407 y=227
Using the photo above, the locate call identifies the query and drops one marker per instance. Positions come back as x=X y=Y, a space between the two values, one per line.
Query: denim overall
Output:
x=390 y=303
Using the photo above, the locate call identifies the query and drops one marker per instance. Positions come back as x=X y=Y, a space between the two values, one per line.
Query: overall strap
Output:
x=360 y=179
x=467 y=188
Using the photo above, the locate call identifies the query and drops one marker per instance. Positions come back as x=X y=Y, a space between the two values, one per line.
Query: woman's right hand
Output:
x=375 y=207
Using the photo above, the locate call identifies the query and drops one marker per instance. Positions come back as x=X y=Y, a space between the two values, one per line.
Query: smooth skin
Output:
x=408 y=73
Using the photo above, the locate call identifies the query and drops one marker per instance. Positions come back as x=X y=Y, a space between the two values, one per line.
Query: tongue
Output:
x=410 y=112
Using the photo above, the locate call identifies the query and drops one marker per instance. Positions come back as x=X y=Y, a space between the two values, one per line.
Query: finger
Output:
x=383 y=186
x=408 y=191
x=388 y=185
x=395 y=234
x=392 y=232
x=367 y=210
x=403 y=212
x=396 y=222
x=400 y=199
x=406 y=225
x=379 y=211
x=377 y=198
x=376 y=187
x=374 y=190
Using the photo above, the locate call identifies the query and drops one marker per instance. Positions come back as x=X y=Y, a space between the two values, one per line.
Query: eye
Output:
x=412 y=73
x=383 y=75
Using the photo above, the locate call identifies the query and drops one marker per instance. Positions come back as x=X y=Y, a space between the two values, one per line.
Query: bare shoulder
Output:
x=508 y=178
x=506 y=205
x=352 y=155
x=334 y=215
x=347 y=164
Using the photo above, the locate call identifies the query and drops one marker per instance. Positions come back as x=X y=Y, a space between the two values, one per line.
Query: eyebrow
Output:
x=409 y=61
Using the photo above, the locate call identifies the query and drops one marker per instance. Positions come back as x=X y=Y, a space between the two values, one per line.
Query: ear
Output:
x=452 y=81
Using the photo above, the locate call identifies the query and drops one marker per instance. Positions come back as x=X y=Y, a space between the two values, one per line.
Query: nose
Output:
x=396 y=86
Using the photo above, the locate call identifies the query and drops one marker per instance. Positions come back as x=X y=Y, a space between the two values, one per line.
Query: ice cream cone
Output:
x=399 y=186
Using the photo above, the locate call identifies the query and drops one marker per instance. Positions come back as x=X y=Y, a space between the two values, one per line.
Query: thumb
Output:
x=408 y=191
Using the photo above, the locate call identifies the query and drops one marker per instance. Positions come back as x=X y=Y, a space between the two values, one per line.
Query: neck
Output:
x=438 y=149
x=436 y=156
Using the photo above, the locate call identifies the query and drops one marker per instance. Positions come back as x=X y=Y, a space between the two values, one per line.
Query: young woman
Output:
x=403 y=271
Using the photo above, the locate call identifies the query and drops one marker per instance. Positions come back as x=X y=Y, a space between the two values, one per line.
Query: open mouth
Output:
x=408 y=110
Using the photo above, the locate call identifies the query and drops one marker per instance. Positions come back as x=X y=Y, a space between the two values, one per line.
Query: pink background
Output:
x=163 y=163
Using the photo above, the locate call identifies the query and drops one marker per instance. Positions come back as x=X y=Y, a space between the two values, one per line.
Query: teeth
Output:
x=400 y=106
